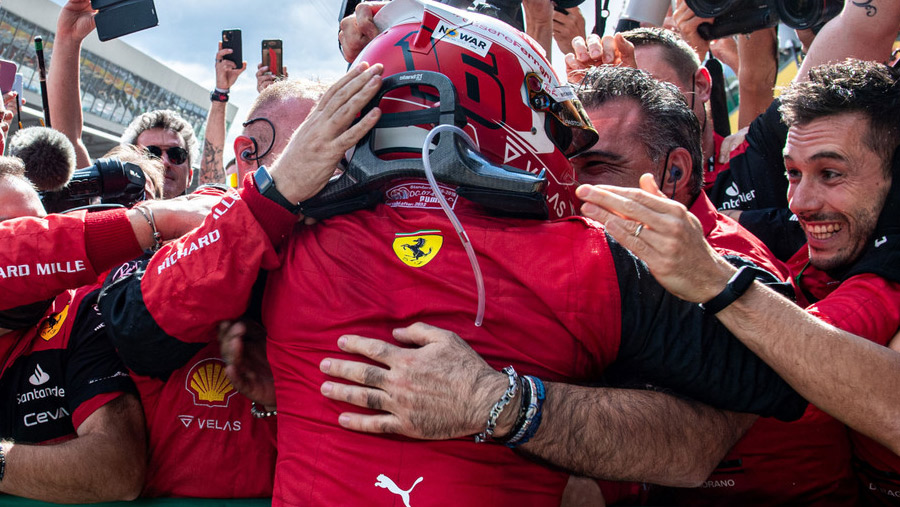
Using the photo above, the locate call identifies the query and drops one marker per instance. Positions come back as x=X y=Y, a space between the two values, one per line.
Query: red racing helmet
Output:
x=503 y=93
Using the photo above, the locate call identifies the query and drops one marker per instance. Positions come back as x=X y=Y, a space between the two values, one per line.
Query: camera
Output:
x=803 y=14
x=643 y=11
x=745 y=16
x=113 y=181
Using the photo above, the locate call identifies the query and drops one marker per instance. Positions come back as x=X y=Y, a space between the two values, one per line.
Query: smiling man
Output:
x=841 y=158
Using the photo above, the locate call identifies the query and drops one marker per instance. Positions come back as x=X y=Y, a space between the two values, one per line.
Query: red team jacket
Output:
x=57 y=373
x=868 y=306
x=60 y=252
x=203 y=441
x=776 y=462
x=198 y=425
x=559 y=298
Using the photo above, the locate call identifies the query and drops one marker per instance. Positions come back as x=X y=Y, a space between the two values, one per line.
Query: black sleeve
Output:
x=92 y=366
x=777 y=228
x=755 y=178
x=674 y=345
x=140 y=341
x=144 y=346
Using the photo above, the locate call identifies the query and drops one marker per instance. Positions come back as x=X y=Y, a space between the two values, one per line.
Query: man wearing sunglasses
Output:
x=169 y=137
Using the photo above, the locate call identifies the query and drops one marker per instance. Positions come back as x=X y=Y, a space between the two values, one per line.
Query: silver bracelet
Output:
x=147 y=213
x=2 y=463
x=498 y=407
x=261 y=414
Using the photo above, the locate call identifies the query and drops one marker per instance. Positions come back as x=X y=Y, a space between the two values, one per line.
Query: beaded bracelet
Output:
x=2 y=463
x=260 y=414
x=498 y=407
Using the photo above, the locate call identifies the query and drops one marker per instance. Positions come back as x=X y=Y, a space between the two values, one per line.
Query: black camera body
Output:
x=113 y=181
x=745 y=16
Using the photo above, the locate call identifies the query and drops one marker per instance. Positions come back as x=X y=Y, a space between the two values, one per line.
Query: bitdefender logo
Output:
x=39 y=377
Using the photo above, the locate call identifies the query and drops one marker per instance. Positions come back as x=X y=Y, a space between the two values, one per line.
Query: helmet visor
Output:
x=567 y=123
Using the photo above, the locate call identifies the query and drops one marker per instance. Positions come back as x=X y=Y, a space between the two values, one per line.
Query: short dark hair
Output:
x=678 y=53
x=152 y=167
x=165 y=119
x=852 y=86
x=667 y=122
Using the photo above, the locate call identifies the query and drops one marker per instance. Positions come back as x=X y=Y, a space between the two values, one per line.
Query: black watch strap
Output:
x=217 y=96
x=266 y=186
x=736 y=287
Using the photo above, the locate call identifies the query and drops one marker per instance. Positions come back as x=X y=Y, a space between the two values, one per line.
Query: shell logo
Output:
x=208 y=383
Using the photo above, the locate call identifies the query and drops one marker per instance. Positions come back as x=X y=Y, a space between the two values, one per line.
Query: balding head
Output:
x=18 y=198
x=283 y=106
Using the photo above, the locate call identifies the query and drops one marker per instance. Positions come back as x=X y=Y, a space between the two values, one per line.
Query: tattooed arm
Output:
x=212 y=169
x=865 y=29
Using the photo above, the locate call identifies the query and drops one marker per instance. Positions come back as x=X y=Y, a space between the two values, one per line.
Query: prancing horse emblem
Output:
x=416 y=248
x=386 y=483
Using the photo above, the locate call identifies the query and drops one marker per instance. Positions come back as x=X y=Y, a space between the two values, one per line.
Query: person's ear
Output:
x=702 y=85
x=677 y=173
x=245 y=157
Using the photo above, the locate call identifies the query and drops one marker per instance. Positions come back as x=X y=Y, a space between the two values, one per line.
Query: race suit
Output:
x=866 y=305
x=59 y=372
x=563 y=302
x=45 y=256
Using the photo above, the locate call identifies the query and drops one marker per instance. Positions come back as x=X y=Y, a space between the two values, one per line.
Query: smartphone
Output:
x=17 y=87
x=231 y=39
x=7 y=75
x=118 y=18
x=272 y=57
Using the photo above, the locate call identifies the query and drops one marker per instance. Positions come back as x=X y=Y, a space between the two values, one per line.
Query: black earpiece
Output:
x=246 y=154
x=675 y=174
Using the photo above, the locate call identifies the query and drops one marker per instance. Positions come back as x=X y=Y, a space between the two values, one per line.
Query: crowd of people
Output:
x=662 y=316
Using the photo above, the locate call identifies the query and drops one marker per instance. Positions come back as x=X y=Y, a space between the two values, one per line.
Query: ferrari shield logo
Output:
x=53 y=324
x=416 y=249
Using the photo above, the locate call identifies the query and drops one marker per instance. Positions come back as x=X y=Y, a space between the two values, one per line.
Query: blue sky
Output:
x=189 y=30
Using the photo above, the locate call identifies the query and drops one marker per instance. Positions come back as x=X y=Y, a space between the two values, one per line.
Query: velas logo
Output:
x=208 y=384
x=418 y=248
x=53 y=324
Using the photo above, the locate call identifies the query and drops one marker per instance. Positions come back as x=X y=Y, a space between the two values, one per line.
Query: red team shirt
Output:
x=868 y=306
x=553 y=310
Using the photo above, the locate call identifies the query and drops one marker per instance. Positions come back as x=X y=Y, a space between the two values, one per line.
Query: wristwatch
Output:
x=217 y=96
x=736 y=287
x=266 y=186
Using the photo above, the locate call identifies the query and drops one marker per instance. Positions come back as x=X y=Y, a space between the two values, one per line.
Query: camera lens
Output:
x=803 y=14
x=711 y=8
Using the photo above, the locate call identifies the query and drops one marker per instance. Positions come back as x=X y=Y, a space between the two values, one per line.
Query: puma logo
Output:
x=880 y=241
x=386 y=483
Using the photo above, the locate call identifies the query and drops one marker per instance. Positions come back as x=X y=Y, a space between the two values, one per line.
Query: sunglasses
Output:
x=177 y=155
